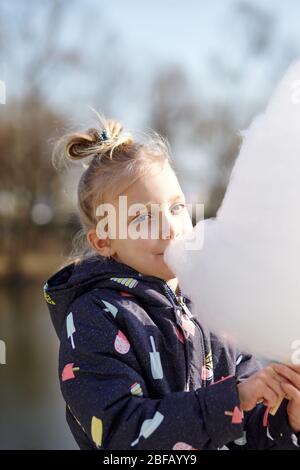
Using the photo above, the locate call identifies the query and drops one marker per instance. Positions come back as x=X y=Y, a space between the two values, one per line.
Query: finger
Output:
x=270 y=397
x=289 y=374
x=292 y=392
x=271 y=371
x=270 y=377
x=275 y=385
x=295 y=367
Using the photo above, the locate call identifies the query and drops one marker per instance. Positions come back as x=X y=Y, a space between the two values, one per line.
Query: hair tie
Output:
x=104 y=135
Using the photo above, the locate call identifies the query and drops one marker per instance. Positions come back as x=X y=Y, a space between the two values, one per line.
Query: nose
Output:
x=169 y=228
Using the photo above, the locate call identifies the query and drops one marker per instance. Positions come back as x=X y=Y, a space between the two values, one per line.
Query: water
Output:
x=32 y=411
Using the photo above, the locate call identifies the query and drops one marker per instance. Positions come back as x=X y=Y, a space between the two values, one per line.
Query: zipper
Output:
x=190 y=316
x=180 y=309
x=179 y=302
x=185 y=308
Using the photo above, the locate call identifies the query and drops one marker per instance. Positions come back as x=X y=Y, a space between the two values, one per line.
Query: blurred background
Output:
x=197 y=72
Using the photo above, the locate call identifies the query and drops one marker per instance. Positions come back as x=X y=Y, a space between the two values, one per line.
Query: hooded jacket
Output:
x=138 y=370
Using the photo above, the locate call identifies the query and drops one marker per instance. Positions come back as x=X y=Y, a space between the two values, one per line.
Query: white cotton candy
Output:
x=245 y=280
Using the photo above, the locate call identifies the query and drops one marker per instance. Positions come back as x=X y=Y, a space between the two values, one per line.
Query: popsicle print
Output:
x=126 y=281
x=71 y=328
x=155 y=362
x=110 y=308
x=149 y=426
x=237 y=415
x=68 y=372
x=97 y=431
x=122 y=344
x=136 y=389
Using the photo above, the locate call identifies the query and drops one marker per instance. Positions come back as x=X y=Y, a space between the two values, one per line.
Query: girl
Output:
x=137 y=370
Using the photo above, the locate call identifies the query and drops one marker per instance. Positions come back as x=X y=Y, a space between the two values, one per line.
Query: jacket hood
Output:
x=75 y=279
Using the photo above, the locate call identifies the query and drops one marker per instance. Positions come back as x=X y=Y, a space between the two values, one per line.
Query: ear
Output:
x=102 y=246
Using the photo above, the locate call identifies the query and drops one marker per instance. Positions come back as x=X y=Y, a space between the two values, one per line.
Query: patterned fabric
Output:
x=138 y=370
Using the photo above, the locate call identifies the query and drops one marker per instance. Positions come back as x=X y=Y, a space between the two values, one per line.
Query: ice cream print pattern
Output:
x=155 y=362
x=148 y=427
x=122 y=344
x=237 y=415
x=68 y=372
x=97 y=431
x=110 y=308
x=71 y=328
x=126 y=281
x=136 y=389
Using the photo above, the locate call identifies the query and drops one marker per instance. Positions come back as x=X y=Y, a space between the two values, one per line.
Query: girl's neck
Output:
x=173 y=283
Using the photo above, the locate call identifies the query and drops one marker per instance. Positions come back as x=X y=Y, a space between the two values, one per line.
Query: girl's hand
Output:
x=291 y=386
x=265 y=385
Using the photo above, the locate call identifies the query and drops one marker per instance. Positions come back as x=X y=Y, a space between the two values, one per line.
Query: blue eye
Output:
x=179 y=206
x=140 y=217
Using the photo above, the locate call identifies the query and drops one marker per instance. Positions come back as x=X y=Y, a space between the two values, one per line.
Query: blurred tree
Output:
x=172 y=103
x=29 y=184
x=43 y=44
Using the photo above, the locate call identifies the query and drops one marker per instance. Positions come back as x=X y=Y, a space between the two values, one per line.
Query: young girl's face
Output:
x=170 y=220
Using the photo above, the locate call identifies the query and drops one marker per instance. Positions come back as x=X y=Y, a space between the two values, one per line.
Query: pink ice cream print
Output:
x=68 y=372
x=122 y=344
x=237 y=415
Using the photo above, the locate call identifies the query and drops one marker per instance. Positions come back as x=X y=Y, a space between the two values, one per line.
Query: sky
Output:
x=154 y=33
x=197 y=35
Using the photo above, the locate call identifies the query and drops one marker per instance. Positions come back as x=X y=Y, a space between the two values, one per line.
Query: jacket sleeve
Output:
x=110 y=398
x=261 y=429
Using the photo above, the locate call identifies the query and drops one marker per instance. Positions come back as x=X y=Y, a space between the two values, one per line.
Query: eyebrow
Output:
x=178 y=196
x=147 y=204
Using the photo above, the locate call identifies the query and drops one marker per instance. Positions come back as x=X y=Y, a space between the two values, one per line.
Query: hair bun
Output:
x=83 y=145
x=95 y=141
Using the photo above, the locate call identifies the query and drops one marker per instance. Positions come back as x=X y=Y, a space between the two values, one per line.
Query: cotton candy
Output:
x=244 y=282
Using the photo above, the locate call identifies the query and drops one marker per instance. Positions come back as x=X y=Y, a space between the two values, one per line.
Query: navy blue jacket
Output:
x=138 y=371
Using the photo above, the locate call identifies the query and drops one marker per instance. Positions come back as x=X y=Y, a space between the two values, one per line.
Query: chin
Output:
x=166 y=273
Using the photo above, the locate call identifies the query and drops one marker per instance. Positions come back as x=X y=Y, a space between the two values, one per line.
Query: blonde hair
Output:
x=117 y=160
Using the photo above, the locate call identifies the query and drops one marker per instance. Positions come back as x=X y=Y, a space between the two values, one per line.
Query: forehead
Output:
x=161 y=185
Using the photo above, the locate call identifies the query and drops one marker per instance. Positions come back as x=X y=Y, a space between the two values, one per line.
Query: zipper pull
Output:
x=180 y=322
x=183 y=305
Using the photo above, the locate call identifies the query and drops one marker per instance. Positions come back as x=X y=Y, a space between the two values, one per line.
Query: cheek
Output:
x=144 y=247
x=135 y=248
